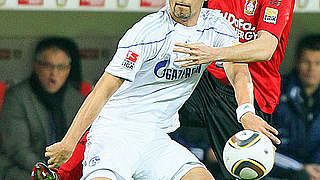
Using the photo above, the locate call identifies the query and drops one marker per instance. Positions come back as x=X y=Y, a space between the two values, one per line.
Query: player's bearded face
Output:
x=182 y=11
x=185 y=9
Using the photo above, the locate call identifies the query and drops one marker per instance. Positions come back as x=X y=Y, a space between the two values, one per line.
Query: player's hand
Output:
x=199 y=53
x=254 y=122
x=313 y=170
x=58 y=154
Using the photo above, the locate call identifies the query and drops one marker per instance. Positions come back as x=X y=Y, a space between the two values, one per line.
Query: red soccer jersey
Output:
x=248 y=17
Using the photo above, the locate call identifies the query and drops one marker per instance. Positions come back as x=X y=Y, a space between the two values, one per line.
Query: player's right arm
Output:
x=239 y=76
x=60 y=152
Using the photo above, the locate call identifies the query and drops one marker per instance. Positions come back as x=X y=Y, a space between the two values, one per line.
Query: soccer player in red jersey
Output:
x=263 y=27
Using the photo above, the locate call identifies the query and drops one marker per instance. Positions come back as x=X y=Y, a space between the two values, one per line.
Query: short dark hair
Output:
x=50 y=43
x=40 y=54
x=70 y=48
x=309 y=42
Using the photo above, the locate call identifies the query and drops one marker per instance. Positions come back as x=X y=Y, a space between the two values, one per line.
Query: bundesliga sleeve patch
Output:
x=130 y=60
x=271 y=15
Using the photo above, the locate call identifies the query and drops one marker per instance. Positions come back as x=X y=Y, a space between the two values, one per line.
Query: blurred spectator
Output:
x=38 y=111
x=298 y=116
x=75 y=75
x=4 y=162
x=68 y=45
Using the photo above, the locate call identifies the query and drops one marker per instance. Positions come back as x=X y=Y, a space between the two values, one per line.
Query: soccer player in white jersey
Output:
x=136 y=101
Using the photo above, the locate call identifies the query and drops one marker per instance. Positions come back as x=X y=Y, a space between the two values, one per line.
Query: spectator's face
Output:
x=309 y=68
x=53 y=70
x=185 y=10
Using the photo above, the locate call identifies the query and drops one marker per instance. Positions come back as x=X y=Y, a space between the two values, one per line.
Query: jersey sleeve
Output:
x=274 y=15
x=130 y=55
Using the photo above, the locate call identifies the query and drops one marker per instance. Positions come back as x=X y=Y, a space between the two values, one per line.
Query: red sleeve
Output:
x=72 y=169
x=274 y=15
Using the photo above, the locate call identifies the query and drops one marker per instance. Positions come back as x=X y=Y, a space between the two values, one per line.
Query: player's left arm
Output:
x=240 y=78
x=260 y=49
x=272 y=22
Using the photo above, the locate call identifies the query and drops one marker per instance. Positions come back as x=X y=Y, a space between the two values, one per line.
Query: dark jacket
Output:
x=25 y=126
x=299 y=130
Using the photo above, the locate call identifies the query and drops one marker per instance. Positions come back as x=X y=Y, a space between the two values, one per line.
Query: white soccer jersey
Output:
x=156 y=87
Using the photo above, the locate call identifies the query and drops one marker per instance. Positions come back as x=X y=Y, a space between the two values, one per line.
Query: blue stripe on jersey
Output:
x=216 y=32
x=141 y=44
x=156 y=54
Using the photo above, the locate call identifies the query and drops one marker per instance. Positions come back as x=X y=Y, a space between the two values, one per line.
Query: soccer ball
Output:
x=249 y=155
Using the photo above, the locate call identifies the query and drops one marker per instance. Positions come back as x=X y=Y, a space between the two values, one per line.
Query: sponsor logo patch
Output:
x=244 y=29
x=132 y=56
x=130 y=60
x=271 y=15
x=163 y=70
x=250 y=7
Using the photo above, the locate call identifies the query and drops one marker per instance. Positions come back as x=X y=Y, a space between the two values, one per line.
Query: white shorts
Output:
x=134 y=151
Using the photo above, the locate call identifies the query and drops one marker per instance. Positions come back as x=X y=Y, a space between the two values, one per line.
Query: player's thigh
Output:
x=112 y=155
x=113 y=148
x=165 y=159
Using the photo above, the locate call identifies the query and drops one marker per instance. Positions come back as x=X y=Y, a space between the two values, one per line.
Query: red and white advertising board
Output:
x=30 y=2
x=152 y=3
x=301 y=6
x=94 y=3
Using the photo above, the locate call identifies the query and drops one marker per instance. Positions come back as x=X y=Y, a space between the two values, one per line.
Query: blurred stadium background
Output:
x=97 y=25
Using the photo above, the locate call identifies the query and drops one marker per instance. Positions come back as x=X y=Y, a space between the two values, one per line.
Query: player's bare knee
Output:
x=198 y=173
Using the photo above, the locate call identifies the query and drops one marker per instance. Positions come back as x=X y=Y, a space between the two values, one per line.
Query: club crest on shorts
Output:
x=130 y=60
x=270 y=15
x=250 y=7
x=93 y=161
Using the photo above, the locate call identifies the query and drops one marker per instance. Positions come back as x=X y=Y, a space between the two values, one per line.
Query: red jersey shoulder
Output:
x=275 y=3
x=251 y=6
x=272 y=9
